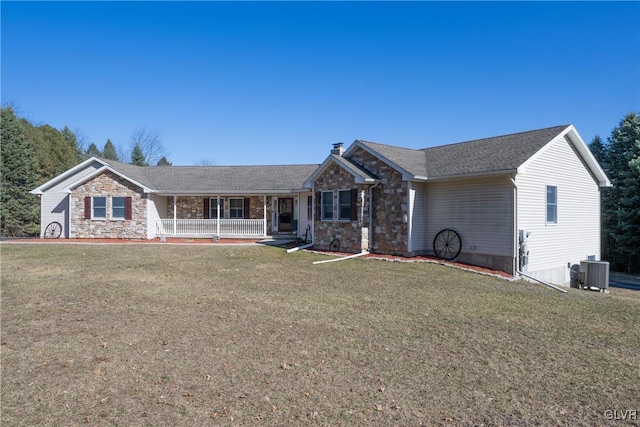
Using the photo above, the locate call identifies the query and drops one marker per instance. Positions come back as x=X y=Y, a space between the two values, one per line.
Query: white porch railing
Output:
x=210 y=227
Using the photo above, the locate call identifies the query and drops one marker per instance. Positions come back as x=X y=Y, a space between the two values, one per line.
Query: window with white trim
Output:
x=552 y=204
x=99 y=207
x=118 y=207
x=236 y=208
x=309 y=208
x=213 y=208
x=327 y=205
x=344 y=205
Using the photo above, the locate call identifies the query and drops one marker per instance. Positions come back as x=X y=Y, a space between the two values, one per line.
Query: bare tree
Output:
x=150 y=143
x=205 y=162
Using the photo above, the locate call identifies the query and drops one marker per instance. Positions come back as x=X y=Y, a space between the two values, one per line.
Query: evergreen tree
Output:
x=93 y=150
x=53 y=154
x=19 y=210
x=109 y=151
x=598 y=149
x=621 y=203
x=137 y=156
x=73 y=142
x=164 y=162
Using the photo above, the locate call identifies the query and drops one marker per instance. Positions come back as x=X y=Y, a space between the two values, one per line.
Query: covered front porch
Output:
x=231 y=216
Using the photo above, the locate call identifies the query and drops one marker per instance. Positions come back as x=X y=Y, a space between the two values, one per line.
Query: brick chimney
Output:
x=338 y=149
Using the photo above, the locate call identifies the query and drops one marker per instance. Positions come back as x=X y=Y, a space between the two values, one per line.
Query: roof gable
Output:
x=500 y=154
x=58 y=179
x=100 y=171
x=360 y=175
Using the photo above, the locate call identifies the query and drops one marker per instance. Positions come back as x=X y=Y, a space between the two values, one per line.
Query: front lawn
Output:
x=211 y=335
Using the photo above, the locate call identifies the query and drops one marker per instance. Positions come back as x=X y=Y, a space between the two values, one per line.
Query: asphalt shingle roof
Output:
x=500 y=153
x=205 y=179
x=496 y=154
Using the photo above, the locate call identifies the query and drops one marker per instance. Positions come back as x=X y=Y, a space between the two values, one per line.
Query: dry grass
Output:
x=201 y=335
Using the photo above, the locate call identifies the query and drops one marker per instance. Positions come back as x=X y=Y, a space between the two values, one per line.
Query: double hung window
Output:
x=327 y=205
x=552 y=204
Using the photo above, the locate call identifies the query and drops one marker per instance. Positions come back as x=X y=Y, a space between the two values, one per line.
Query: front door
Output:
x=285 y=214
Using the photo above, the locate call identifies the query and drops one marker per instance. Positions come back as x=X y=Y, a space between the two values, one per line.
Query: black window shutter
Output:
x=127 y=207
x=318 y=206
x=205 y=210
x=87 y=207
x=354 y=204
x=247 y=207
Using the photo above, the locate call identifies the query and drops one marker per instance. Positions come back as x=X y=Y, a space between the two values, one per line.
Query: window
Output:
x=99 y=207
x=552 y=204
x=236 y=208
x=344 y=204
x=118 y=207
x=214 y=208
x=309 y=208
x=327 y=205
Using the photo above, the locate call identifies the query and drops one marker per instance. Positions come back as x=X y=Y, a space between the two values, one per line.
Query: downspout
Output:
x=409 y=218
x=516 y=261
x=68 y=216
x=371 y=215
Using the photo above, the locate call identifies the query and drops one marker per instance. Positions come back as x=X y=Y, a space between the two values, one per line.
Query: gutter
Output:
x=564 y=291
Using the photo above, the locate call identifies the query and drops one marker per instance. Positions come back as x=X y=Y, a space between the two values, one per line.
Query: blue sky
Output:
x=280 y=82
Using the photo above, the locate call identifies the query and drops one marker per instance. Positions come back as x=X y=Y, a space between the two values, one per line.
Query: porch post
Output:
x=264 y=215
x=175 y=213
x=218 y=219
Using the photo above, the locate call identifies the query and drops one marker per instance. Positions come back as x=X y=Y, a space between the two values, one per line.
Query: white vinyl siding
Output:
x=155 y=205
x=417 y=210
x=480 y=210
x=54 y=205
x=305 y=218
x=577 y=233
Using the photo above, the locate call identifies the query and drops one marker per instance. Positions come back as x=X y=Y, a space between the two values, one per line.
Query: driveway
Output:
x=624 y=281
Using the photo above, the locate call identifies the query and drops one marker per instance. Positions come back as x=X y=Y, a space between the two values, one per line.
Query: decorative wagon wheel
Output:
x=447 y=244
x=334 y=246
x=53 y=230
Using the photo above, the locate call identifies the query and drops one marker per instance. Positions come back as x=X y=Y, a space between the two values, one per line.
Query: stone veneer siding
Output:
x=192 y=207
x=109 y=185
x=353 y=235
x=390 y=202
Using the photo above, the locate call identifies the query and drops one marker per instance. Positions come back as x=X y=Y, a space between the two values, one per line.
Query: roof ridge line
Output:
x=495 y=137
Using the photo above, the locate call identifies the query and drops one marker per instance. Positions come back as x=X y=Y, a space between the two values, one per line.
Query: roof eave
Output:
x=474 y=174
x=229 y=192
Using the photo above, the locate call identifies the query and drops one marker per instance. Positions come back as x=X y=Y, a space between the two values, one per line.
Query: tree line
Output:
x=33 y=154
x=619 y=156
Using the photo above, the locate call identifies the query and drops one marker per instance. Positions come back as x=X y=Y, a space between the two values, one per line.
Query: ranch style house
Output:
x=524 y=202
